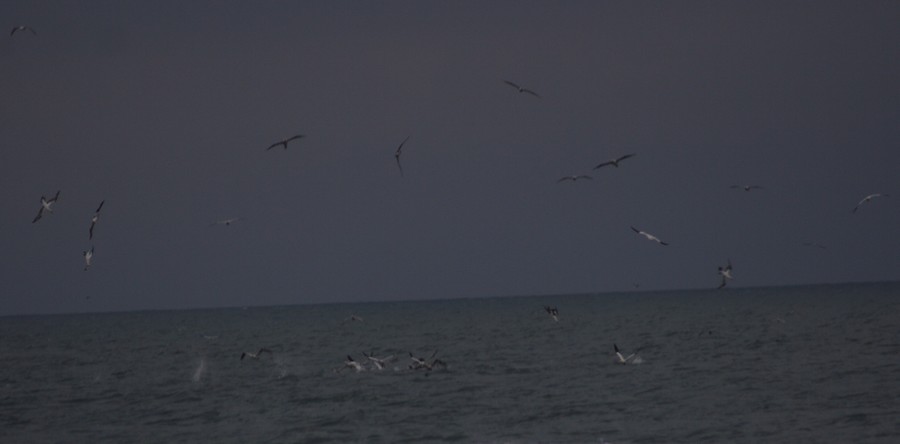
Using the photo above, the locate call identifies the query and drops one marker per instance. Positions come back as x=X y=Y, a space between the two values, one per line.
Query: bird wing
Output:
x=55 y=197
x=512 y=84
x=298 y=136
x=91 y=230
x=624 y=157
x=40 y=213
x=609 y=162
x=101 y=206
x=530 y=92
x=565 y=178
x=584 y=177
x=275 y=144
x=400 y=147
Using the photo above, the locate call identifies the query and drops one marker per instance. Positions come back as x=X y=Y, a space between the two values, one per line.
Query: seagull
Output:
x=88 y=255
x=397 y=155
x=867 y=199
x=46 y=204
x=379 y=363
x=254 y=355
x=225 y=222
x=22 y=28
x=574 y=178
x=94 y=219
x=521 y=89
x=649 y=236
x=622 y=359
x=351 y=363
x=553 y=312
x=284 y=142
x=614 y=162
x=747 y=187
x=726 y=274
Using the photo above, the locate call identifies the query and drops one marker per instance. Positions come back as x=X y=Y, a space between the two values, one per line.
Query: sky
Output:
x=164 y=111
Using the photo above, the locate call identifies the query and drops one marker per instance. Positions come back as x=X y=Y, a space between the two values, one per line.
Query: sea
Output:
x=802 y=364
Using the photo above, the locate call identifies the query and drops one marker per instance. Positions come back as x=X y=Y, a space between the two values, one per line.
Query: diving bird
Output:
x=521 y=89
x=725 y=272
x=22 y=28
x=255 y=355
x=225 y=222
x=623 y=359
x=94 y=219
x=614 y=162
x=574 y=178
x=649 y=236
x=88 y=256
x=46 y=204
x=397 y=155
x=868 y=199
x=284 y=142
x=747 y=187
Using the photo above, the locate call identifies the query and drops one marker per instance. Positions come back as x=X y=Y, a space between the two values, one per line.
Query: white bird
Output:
x=379 y=363
x=351 y=363
x=420 y=363
x=747 y=187
x=22 y=28
x=521 y=89
x=94 y=219
x=225 y=222
x=284 y=142
x=614 y=162
x=255 y=355
x=649 y=236
x=574 y=178
x=553 y=312
x=867 y=199
x=726 y=274
x=88 y=256
x=397 y=155
x=46 y=204
x=623 y=359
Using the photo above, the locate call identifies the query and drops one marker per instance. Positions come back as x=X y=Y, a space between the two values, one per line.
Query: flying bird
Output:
x=22 y=28
x=46 y=204
x=255 y=355
x=94 y=219
x=623 y=359
x=88 y=256
x=574 y=178
x=649 y=236
x=725 y=272
x=225 y=222
x=867 y=199
x=380 y=363
x=284 y=142
x=614 y=162
x=521 y=89
x=747 y=187
x=397 y=155
x=814 y=244
x=424 y=364
x=351 y=363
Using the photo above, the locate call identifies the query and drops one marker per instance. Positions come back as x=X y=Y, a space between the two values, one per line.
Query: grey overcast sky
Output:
x=164 y=109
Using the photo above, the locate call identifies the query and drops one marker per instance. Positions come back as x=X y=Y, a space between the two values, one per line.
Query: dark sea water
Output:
x=790 y=364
